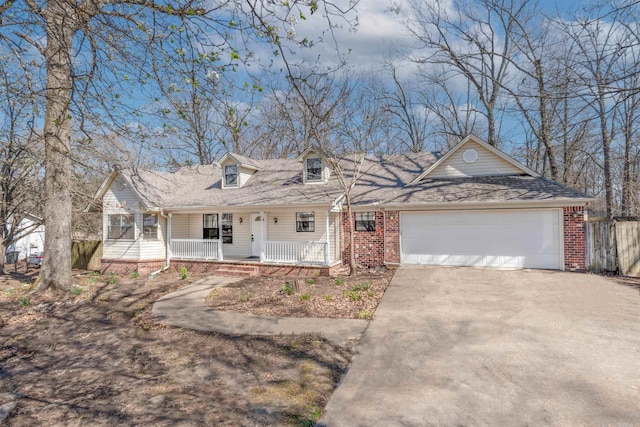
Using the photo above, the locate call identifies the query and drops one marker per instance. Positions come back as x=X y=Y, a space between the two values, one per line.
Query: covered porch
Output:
x=307 y=237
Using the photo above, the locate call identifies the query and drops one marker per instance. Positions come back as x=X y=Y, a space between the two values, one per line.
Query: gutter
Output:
x=166 y=245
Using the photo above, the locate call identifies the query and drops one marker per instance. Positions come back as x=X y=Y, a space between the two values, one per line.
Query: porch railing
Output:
x=207 y=249
x=297 y=252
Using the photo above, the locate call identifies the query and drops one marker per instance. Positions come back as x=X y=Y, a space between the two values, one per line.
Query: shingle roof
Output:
x=384 y=181
x=505 y=188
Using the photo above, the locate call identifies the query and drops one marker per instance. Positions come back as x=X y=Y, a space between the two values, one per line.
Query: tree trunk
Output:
x=3 y=255
x=352 y=249
x=56 y=265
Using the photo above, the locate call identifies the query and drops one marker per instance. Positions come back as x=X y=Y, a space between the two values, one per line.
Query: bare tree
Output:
x=20 y=165
x=87 y=47
x=474 y=39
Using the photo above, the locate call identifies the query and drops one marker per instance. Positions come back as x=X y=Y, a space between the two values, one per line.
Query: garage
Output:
x=487 y=238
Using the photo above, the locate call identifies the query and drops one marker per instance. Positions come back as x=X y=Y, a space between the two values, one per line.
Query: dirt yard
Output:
x=96 y=356
x=339 y=297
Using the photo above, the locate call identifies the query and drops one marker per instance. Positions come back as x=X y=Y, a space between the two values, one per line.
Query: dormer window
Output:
x=314 y=169
x=231 y=175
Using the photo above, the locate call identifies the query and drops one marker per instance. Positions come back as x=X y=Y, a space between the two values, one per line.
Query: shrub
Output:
x=356 y=288
x=287 y=289
x=338 y=281
x=76 y=290
x=305 y=297
x=183 y=272
x=134 y=275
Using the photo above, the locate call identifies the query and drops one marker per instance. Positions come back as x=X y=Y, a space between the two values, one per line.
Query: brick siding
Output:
x=370 y=246
x=574 y=240
x=125 y=267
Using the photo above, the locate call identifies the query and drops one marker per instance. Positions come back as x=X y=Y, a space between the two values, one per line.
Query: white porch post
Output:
x=327 y=247
x=169 y=253
x=220 y=236
x=263 y=243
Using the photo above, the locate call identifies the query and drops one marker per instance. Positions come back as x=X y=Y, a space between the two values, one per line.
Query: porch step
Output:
x=238 y=270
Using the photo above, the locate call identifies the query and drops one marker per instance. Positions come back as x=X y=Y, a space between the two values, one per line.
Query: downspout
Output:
x=167 y=245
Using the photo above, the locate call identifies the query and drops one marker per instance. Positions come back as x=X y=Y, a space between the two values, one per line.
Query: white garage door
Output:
x=520 y=239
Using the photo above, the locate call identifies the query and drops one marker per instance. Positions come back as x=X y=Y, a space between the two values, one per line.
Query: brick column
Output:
x=574 y=238
x=392 y=237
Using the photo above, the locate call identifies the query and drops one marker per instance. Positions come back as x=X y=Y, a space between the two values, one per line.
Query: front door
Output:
x=256 y=234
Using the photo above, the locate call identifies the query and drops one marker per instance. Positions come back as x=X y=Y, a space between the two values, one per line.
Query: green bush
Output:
x=183 y=272
x=134 y=275
x=305 y=297
x=288 y=289
x=338 y=281
x=76 y=290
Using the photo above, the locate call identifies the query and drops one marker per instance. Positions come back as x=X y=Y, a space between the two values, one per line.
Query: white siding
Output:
x=487 y=164
x=179 y=226
x=155 y=249
x=285 y=229
x=120 y=199
x=241 y=246
x=245 y=174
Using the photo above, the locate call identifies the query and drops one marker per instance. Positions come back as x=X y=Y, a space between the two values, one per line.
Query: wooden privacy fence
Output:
x=613 y=246
x=86 y=254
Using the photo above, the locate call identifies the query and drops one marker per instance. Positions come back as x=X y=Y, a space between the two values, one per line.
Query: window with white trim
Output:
x=150 y=227
x=313 y=169
x=305 y=222
x=365 y=221
x=210 y=229
x=227 y=228
x=230 y=175
x=121 y=227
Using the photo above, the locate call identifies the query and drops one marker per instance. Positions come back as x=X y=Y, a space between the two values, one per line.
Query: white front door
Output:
x=256 y=234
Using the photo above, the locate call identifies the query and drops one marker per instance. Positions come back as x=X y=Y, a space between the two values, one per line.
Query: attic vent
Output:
x=470 y=155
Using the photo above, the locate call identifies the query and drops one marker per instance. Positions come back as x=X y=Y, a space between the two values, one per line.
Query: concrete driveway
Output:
x=465 y=346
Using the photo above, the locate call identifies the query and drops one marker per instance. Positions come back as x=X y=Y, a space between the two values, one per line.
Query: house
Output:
x=28 y=238
x=473 y=206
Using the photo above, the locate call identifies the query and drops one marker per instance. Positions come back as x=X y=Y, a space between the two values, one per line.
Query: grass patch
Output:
x=305 y=297
x=338 y=281
x=287 y=289
x=328 y=298
x=310 y=281
x=353 y=295
x=76 y=290
x=364 y=314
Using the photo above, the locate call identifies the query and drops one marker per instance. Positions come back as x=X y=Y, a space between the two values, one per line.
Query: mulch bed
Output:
x=335 y=297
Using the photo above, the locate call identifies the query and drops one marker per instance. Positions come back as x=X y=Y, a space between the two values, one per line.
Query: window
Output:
x=314 y=169
x=305 y=221
x=365 y=221
x=150 y=226
x=231 y=175
x=121 y=226
x=210 y=228
x=227 y=228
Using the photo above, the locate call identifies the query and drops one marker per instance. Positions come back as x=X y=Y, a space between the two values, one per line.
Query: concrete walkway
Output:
x=185 y=308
